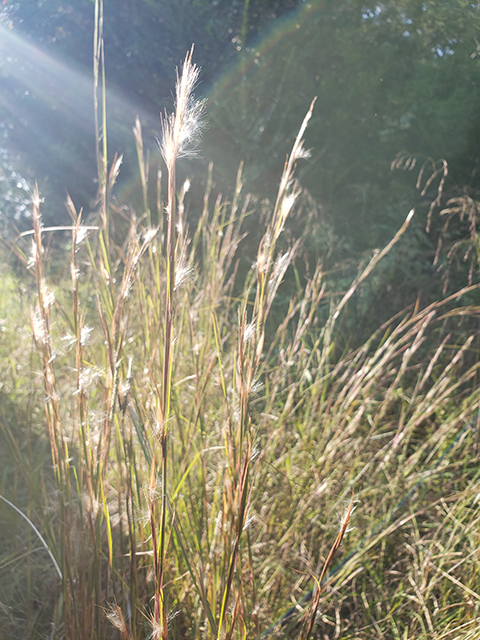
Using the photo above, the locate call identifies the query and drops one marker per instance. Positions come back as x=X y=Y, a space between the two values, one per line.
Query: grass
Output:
x=215 y=472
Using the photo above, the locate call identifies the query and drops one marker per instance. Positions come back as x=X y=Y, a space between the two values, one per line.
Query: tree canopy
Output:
x=397 y=77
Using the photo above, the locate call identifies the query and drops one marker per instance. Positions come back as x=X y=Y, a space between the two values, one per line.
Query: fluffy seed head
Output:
x=182 y=128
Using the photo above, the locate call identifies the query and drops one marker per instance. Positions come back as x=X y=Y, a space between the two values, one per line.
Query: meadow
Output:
x=184 y=456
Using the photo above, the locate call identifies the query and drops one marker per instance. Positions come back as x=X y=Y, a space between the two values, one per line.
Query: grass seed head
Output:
x=182 y=129
x=115 y=616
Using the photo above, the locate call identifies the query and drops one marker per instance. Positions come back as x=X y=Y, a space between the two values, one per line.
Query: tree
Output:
x=389 y=77
x=47 y=82
x=396 y=76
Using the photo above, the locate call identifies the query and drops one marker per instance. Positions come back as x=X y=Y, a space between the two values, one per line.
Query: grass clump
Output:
x=204 y=472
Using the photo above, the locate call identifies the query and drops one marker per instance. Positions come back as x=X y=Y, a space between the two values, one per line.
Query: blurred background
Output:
x=396 y=81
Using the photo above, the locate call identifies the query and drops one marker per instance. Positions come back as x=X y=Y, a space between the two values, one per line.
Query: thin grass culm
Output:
x=197 y=440
x=180 y=130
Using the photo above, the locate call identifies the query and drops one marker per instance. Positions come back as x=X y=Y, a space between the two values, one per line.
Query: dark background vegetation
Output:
x=391 y=77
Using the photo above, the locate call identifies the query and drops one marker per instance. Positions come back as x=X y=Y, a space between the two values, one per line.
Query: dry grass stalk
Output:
x=201 y=501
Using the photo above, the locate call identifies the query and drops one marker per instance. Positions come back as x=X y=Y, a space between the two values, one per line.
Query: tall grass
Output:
x=212 y=478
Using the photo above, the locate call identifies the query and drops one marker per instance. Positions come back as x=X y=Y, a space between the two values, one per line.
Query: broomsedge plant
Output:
x=200 y=461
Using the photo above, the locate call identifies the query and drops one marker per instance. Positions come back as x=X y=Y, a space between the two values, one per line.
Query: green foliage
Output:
x=45 y=61
x=190 y=439
x=14 y=194
x=266 y=439
x=388 y=79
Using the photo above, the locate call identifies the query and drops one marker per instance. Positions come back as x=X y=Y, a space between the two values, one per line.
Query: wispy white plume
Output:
x=250 y=330
x=182 y=128
x=38 y=327
x=183 y=274
x=33 y=255
x=81 y=235
x=85 y=335
x=115 y=616
x=48 y=296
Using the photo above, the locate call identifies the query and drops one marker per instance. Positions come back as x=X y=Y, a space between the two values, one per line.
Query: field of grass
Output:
x=180 y=461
